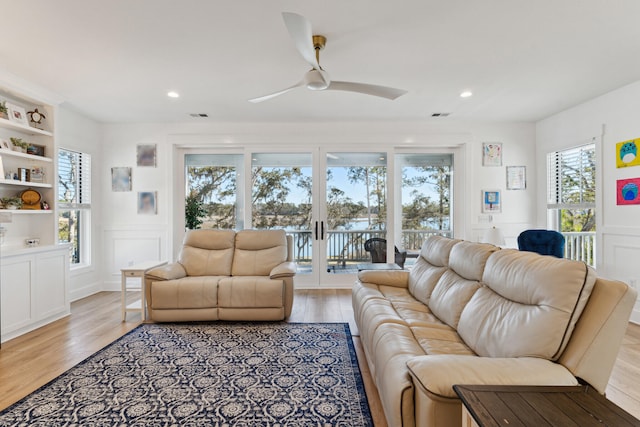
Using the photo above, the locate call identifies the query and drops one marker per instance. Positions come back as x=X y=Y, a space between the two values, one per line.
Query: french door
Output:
x=330 y=201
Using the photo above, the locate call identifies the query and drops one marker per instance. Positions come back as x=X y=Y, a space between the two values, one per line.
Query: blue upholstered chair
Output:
x=544 y=242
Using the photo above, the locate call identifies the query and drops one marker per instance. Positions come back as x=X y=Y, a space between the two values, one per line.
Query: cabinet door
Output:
x=16 y=293
x=50 y=286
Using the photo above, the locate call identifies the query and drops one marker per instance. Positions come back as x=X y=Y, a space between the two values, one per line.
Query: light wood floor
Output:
x=34 y=359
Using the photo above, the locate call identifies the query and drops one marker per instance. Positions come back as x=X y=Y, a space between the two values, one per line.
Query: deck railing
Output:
x=580 y=246
x=346 y=247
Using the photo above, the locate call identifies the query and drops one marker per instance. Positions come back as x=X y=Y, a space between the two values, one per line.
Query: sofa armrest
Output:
x=437 y=374
x=167 y=272
x=395 y=278
x=286 y=269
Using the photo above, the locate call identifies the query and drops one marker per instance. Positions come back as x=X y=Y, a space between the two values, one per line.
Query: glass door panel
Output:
x=212 y=181
x=425 y=198
x=281 y=197
x=355 y=208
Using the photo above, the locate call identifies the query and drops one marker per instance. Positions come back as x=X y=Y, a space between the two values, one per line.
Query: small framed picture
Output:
x=491 y=154
x=121 y=179
x=516 y=177
x=17 y=114
x=37 y=175
x=4 y=145
x=146 y=155
x=491 y=201
x=36 y=150
x=147 y=203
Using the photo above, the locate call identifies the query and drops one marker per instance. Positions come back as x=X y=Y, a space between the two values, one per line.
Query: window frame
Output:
x=81 y=204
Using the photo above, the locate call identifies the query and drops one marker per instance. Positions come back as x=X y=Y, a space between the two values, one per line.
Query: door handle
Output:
x=321 y=230
x=316 y=238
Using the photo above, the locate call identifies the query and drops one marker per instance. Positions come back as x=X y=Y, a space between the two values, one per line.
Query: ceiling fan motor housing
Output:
x=316 y=80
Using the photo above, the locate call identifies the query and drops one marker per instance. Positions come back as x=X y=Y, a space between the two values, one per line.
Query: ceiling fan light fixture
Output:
x=316 y=80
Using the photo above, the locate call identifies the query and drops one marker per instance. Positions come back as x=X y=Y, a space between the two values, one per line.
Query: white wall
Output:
x=128 y=237
x=610 y=118
x=76 y=132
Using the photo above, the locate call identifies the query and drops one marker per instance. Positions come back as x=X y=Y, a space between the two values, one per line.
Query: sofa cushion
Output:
x=440 y=339
x=458 y=284
x=250 y=292
x=468 y=259
x=528 y=307
x=207 y=252
x=430 y=265
x=257 y=252
x=188 y=292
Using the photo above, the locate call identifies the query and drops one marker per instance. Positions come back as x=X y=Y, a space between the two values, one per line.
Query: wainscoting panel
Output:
x=126 y=246
x=619 y=261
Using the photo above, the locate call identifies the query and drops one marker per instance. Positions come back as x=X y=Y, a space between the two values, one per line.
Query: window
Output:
x=571 y=199
x=74 y=204
x=212 y=182
x=425 y=196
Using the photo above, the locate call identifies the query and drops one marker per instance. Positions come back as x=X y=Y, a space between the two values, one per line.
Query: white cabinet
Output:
x=34 y=288
x=34 y=281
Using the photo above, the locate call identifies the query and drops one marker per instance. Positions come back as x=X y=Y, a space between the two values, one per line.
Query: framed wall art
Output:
x=516 y=177
x=146 y=155
x=491 y=201
x=627 y=191
x=627 y=153
x=121 y=179
x=17 y=114
x=491 y=154
x=147 y=203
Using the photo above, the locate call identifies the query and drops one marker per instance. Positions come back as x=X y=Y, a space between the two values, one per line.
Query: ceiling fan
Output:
x=309 y=46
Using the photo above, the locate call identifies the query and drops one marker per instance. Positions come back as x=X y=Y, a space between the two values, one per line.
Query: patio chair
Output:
x=377 y=247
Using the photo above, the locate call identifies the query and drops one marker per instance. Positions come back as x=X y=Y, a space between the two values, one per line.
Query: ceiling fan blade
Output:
x=302 y=34
x=382 y=91
x=273 y=95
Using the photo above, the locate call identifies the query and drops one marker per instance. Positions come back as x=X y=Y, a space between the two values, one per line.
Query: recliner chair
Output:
x=544 y=242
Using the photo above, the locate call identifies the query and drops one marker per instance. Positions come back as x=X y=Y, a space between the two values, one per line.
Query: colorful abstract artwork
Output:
x=627 y=191
x=627 y=153
x=491 y=154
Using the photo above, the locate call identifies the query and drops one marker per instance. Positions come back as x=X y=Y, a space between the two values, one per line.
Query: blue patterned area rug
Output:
x=217 y=374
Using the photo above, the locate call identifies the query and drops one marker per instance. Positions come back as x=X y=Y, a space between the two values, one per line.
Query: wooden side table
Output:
x=136 y=270
x=539 y=406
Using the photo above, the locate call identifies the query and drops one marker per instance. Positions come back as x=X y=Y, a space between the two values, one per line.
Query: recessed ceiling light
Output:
x=173 y=94
x=466 y=94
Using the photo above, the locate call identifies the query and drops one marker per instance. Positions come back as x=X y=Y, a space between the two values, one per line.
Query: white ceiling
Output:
x=523 y=59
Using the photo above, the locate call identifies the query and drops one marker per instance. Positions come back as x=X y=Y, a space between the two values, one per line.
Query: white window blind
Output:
x=571 y=178
x=74 y=180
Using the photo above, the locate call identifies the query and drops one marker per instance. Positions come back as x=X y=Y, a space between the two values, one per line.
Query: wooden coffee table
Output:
x=539 y=406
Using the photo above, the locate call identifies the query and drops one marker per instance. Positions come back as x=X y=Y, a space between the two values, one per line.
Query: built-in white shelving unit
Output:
x=33 y=280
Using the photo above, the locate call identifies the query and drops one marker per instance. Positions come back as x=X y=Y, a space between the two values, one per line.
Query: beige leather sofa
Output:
x=225 y=275
x=471 y=313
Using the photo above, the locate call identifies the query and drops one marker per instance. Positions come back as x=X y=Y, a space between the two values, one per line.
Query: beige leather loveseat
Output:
x=225 y=275
x=471 y=313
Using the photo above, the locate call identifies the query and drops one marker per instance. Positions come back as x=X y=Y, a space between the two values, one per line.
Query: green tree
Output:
x=271 y=188
x=374 y=179
x=215 y=188
x=422 y=212
x=578 y=189
x=194 y=211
